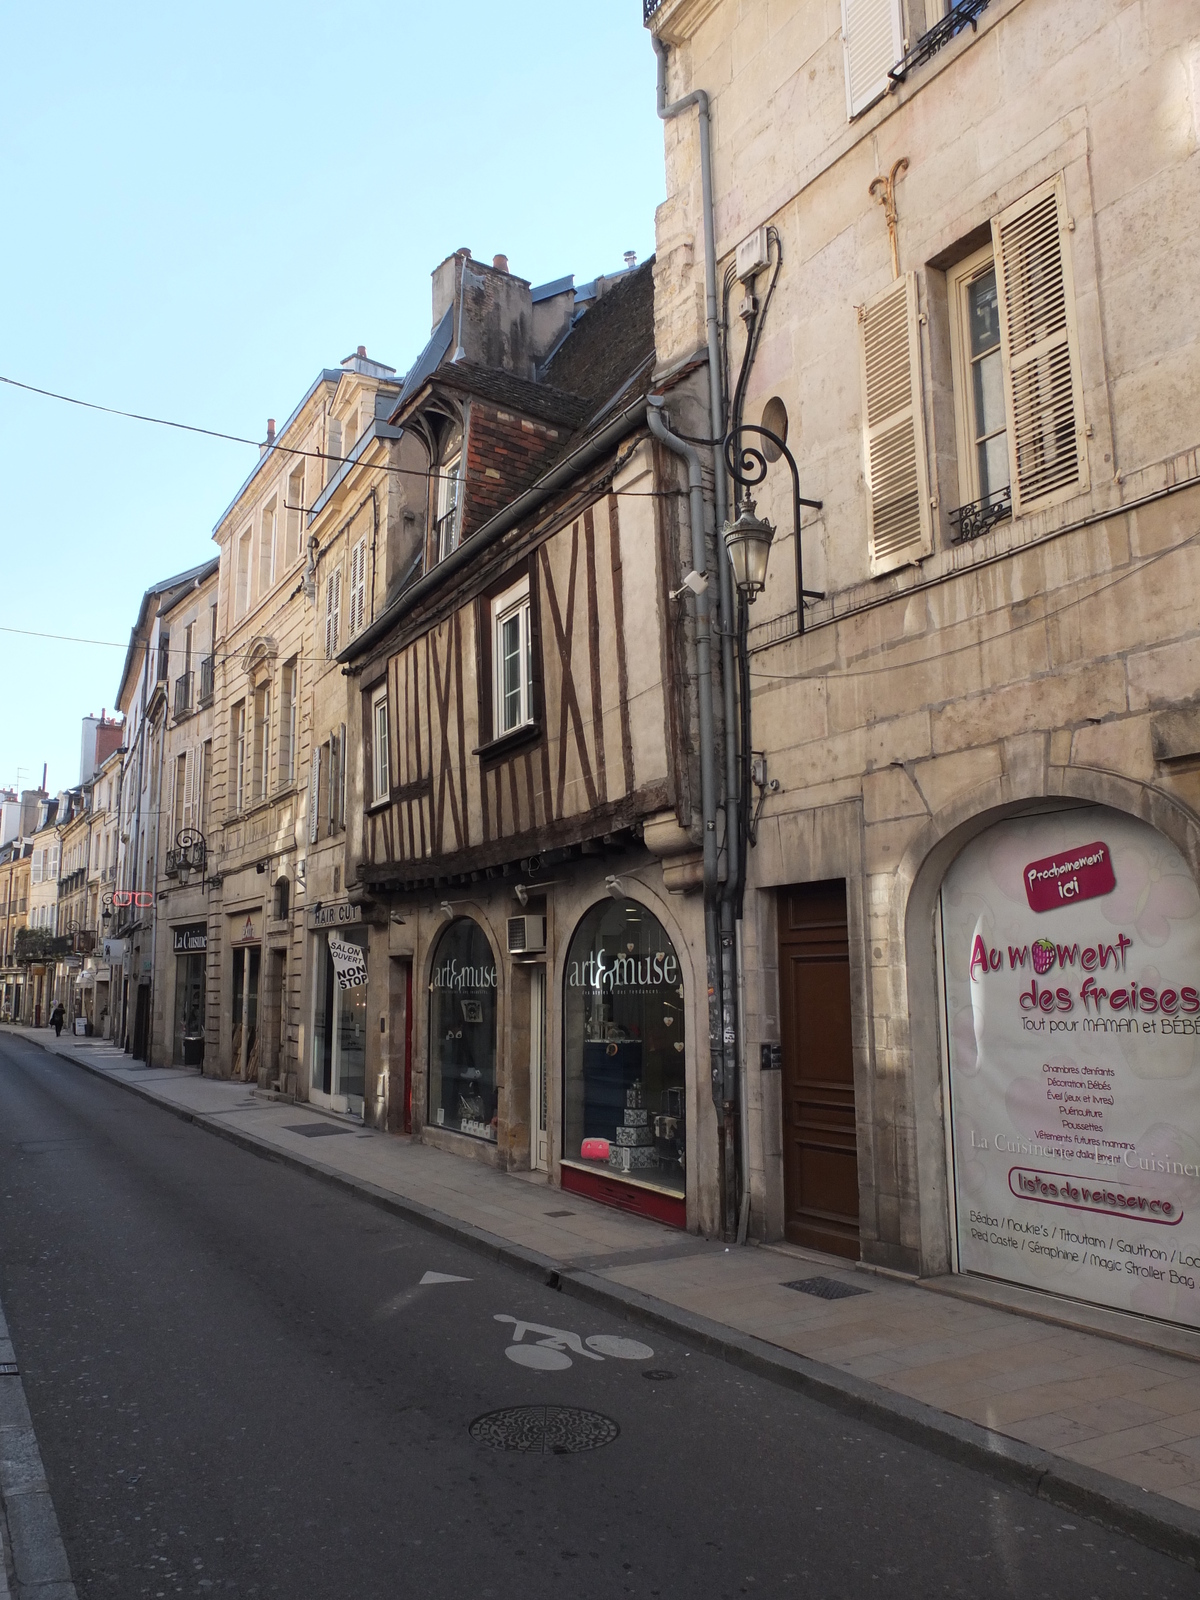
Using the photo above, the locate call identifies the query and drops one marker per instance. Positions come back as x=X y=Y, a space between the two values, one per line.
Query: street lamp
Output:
x=748 y=541
x=189 y=854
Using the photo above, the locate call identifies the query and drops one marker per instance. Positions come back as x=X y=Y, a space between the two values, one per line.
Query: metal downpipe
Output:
x=702 y=647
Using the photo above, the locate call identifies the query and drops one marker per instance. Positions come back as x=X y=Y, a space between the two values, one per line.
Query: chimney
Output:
x=500 y=263
x=631 y=258
x=362 y=352
x=270 y=430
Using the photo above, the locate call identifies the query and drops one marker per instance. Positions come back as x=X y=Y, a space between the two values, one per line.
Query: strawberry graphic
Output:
x=1043 y=955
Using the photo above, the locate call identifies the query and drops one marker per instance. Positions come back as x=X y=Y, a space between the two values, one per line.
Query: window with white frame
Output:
x=445 y=531
x=241 y=596
x=288 y=720
x=294 y=509
x=512 y=659
x=266 y=547
x=237 y=756
x=380 y=754
x=333 y=612
x=262 y=741
x=984 y=474
x=358 y=586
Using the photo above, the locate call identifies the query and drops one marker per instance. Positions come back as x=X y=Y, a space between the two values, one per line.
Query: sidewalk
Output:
x=1086 y=1418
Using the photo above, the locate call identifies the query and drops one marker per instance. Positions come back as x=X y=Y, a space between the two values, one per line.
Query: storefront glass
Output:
x=624 y=1048
x=190 y=945
x=339 y=1060
x=462 y=1032
x=1071 y=943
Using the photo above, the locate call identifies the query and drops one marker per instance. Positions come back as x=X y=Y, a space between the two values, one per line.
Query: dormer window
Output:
x=446 y=520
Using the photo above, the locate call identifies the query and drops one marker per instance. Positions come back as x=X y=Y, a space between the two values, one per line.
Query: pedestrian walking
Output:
x=57 y=1016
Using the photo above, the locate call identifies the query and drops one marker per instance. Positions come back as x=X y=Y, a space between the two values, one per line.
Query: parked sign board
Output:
x=1071 y=948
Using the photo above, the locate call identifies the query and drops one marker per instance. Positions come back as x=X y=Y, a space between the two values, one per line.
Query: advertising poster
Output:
x=1071 y=944
x=349 y=963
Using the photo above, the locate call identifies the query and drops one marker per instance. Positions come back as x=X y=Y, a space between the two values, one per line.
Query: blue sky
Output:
x=202 y=206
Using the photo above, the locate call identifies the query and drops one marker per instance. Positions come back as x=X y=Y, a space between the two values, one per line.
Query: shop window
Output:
x=512 y=659
x=462 y=1032
x=624 y=1048
x=339 y=1058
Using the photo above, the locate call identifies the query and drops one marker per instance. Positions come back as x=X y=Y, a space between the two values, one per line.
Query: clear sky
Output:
x=202 y=206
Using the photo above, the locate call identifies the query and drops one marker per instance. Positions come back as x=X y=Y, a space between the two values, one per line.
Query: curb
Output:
x=1150 y=1518
x=29 y=1533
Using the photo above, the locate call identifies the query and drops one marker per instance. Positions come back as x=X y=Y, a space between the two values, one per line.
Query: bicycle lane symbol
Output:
x=549 y=1349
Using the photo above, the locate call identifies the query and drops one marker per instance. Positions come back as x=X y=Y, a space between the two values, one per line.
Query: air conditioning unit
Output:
x=526 y=935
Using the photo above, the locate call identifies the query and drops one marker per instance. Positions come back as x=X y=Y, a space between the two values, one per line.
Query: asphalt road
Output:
x=241 y=1388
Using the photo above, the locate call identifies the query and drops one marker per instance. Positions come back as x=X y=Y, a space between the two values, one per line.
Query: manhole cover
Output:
x=313 y=1130
x=825 y=1288
x=544 y=1430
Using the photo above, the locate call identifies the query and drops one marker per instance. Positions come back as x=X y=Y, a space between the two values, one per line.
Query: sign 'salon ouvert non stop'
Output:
x=1071 y=947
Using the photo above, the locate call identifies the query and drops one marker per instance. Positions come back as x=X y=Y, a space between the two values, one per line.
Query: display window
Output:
x=462 y=1032
x=339 y=1036
x=624 y=1049
x=1071 y=950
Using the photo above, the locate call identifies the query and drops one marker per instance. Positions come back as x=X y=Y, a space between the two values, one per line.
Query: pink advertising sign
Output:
x=1071 y=950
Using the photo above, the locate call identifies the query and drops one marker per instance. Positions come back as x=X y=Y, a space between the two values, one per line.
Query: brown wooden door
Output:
x=820 y=1140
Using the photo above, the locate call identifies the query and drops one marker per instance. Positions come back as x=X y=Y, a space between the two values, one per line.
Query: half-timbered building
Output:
x=521 y=770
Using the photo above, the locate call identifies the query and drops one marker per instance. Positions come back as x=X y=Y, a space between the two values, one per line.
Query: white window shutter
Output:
x=872 y=43
x=314 y=794
x=1039 y=348
x=900 y=522
x=358 y=585
x=189 y=776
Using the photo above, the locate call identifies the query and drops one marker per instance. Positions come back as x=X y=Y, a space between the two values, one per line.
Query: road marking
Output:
x=442 y=1277
x=548 y=1353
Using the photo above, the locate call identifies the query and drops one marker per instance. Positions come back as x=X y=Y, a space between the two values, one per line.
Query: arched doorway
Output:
x=1070 y=962
x=625 y=1063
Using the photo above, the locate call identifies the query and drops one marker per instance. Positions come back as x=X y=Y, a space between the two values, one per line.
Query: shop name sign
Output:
x=605 y=971
x=187 y=940
x=335 y=916
x=450 y=975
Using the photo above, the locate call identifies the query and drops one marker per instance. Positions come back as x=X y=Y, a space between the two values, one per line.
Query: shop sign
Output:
x=192 y=938
x=245 y=930
x=349 y=963
x=452 y=974
x=630 y=971
x=1072 y=968
x=116 y=952
x=340 y=915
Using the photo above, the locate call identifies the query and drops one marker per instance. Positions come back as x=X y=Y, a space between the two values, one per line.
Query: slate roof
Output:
x=609 y=343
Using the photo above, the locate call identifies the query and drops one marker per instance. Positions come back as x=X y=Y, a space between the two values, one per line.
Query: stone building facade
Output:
x=966 y=273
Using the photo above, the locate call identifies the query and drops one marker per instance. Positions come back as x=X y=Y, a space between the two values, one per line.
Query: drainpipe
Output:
x=708 y=771
x=728 y=893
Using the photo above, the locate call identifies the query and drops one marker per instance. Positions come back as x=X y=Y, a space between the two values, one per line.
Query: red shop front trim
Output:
x=643 y=1200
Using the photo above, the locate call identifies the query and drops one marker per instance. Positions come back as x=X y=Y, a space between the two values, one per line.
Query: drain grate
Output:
x=544 y=1430
x=314 y=1130
x=8 y=1369
x=559 y=1213
x=825 y=1288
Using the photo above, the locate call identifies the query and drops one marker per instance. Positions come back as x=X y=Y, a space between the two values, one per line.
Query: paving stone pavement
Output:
x=1089 y=1395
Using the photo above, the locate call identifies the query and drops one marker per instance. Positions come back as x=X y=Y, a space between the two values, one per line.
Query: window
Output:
x=1017 y=388
x=241 y=598
x=899 y=515
x=205 y=782
x=358 y=586
x=180 y=794
x=164 y=656
x=283 y=896
x=38 y=867
x=445 y=531
x=872 y=43
x=333 y=612
x=380 y=758
x=288 y=717
x=333 y=447
x=462 y=1032
x=237 y=756
x=266 y=549
x=262 y=741
x=294 y=509
x=512 y=660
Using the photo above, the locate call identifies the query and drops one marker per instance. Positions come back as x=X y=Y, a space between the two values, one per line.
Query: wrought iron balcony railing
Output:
x=971 y=521
x=206 y=680
x=183 y=694
x=961 y=16
x=649 y=7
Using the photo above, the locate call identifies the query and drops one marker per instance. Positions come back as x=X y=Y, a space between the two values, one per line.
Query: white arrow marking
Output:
x=443 y=1277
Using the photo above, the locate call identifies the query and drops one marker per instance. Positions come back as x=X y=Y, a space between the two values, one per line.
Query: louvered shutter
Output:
x=358 y=585
x=333 y=607
x=314 y=795
x=187 y=810
x=900 y=525
x=1043 y=392
x=872 y=43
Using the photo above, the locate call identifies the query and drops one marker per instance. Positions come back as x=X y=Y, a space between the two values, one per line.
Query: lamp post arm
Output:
x=748 y=467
